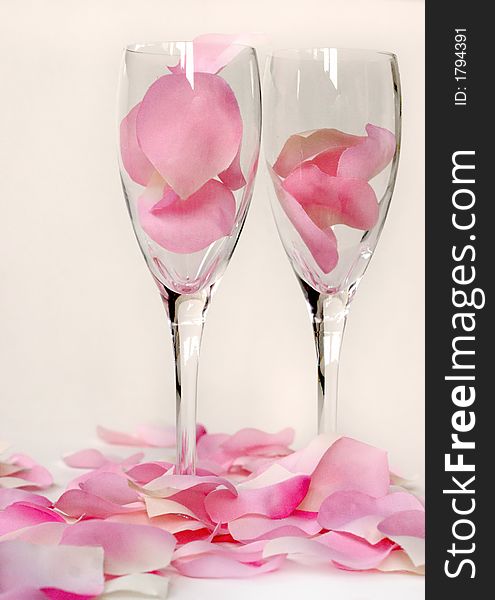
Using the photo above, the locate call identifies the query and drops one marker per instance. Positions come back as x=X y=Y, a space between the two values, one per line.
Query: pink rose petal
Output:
x=321 y=243
x=306 y=459
x=341 y=508
x=110 y=486
x=173 y=523
x=169 y=484
x=9 y=496
x=6 y=470
x=142 y=585
x=25 y=468
x=128 y=548
x=190 y=225
x=76 y=570
x=348 y=465
x=94 y=459
x=275 y=498
x=204 y=559
x=135 y=162
x=146 y=472
x=78 y=503
x=407 y=529
x=23 y=514
x=254 y=527
x=145 y=435
x=331 y=200
x=210 y=448
x=406 y=523
x=224 y=450
x=368 y=158
x=344 y=550
x=249 y=439
x=48 y=533
x=109 y=467
x=302 y=146
x=189 y=130
x=400 y=561
x=123 y=439
x=354 y=553
x=188 y=490
x=85 y=459
x=328 y=160
x=219 y=567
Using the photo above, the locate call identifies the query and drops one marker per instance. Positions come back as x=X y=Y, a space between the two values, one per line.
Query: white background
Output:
x=83 y=338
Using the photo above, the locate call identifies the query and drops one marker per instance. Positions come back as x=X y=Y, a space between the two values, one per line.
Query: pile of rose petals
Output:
x=127 y=524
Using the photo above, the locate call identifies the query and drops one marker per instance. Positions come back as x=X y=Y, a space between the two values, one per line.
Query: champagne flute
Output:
x=189 y=135
x=332 y=148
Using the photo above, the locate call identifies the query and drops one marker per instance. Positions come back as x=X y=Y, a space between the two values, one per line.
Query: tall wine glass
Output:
x=332 y=146
x=189 y=135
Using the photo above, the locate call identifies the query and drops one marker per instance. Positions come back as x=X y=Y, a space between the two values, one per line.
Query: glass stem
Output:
x=328 y=315
x=187 y=317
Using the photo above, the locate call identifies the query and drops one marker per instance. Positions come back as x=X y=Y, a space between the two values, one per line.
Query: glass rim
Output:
x=153 y=48
x=308 y=49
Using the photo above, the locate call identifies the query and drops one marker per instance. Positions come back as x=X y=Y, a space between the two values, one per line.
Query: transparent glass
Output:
x=332 y=147
x=189 y=133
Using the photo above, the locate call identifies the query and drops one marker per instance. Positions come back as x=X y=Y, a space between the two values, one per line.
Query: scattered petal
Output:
x=248 y=440
x=9 y=496
x=80 y=504
x=21 y=471
x=146 y=472
x=400 y=561
x=23 y=514
x=85 y=459
x=111 y=487
x=128 y=548
x=348 y=465
x=208 y=560
x=410 y=522
x=343 y=507
x=407 y=529
x=224 y=450
x=251 y=528
x=344 y=550
x=217 y=567
x=48 y=533
x=71 y=569
x=276 y=493
x=91 y=458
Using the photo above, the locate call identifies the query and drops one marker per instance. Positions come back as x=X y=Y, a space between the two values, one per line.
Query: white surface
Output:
x=298 y=582
x=83 y=338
